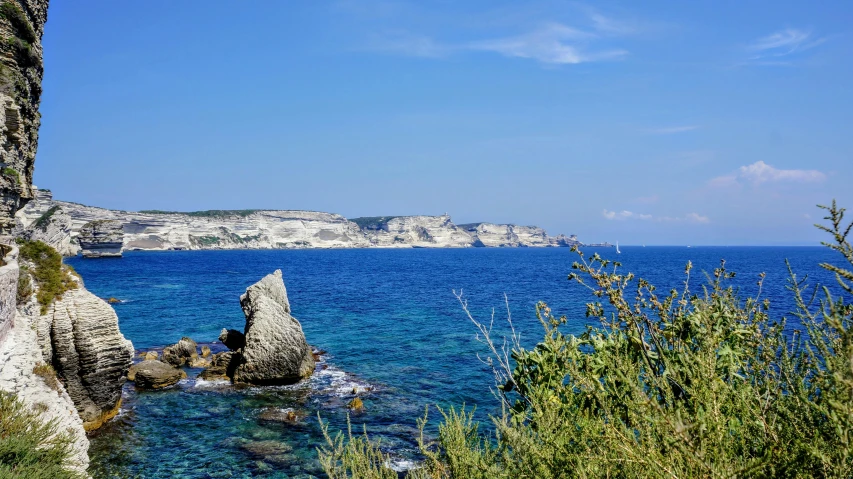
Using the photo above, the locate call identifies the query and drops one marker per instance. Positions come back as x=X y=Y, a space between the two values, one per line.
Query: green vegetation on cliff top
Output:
x=52 y=277
x=675 y=384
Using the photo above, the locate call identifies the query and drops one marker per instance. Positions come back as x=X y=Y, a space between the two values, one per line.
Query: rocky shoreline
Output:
x=71 y=227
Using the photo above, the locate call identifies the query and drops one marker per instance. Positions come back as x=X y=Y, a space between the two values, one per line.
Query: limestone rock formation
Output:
x=53 y=228
x=89 y=353
x=21 y=28
x=418 y=231
x=232 y=339
x=274 y=229
x=153 y=374
x=181 y=353
x=101 y=239
x=222 y=366
x=276 y=350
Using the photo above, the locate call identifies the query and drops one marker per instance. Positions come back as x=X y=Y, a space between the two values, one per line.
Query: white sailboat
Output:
x=617 y=248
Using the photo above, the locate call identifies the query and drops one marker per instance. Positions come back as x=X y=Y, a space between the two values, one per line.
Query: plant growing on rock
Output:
x=52 y=278
x=670 y=384
x=29 y=447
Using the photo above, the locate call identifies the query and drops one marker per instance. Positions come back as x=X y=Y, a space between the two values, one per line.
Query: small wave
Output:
x=401 y=465
x=339 y=383
x=204 y=383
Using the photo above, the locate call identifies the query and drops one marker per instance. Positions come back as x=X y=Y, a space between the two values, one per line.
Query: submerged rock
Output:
x=356 y=405
x=153 y=374
x=180 y=353
x=222 y=366
x=101 y=239
x=276 y=351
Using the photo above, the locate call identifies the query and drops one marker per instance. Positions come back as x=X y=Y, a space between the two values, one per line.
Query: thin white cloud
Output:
x=630 y=215
x=552 y=43
x=670 y=130
x=769 y=50
x=760 y=172
x=534 y=34
x=407 y=44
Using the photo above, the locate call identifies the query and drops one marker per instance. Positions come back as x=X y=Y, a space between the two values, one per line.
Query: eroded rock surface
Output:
x=181 y=353
x=276 y=350
x=153 y=374
x=21 y=28
x=101 y=239
x=89 y=353
x=285 y=229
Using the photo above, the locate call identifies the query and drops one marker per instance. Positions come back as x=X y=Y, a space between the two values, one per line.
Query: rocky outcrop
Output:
x=153 y=374
x=232 y=339
x=222 y=366
x=101 y=239
x=89 y=353
x=274 y=349
x=417 y=231
x=181 y=353
x=53 y=228
x=21 y=28
x=274 y=229
x=23 y=370
x=494 y=235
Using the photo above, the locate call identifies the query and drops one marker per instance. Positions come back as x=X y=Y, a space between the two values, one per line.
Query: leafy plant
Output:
x=10 y=172
x=52 y=278
x=44 y=219
x=670 y=384
x=29 y=447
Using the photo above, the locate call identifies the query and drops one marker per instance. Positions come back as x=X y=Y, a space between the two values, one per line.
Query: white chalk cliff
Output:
x=281 y=229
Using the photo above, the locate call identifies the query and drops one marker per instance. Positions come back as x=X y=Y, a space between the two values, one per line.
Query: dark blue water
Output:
x=392 y=328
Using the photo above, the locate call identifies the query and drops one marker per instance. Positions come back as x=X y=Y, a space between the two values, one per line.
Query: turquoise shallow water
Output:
x=391 y=326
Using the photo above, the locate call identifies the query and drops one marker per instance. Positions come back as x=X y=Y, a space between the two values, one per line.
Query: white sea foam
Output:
x=204 y=383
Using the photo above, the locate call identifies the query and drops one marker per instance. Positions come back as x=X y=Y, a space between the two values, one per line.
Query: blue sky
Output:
x=697 y=122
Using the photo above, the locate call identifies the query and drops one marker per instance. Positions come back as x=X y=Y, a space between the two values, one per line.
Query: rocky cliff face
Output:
x=272 y=229
x=53 y=228
x=101 y=239
x=89 y=353
x=23 y=369
x=21 y=28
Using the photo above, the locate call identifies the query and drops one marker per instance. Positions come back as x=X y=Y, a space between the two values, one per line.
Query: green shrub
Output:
x=25 y=286
x=10 y=172
x=44 y=219
x=673 y=384
x=51 y=276
x=20 y=23
x=29 y=447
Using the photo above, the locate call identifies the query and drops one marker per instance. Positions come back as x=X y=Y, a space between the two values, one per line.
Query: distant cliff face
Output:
x=270 y=229
x=21 y=28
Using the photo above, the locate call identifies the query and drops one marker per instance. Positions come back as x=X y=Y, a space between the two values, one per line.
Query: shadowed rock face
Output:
x=101 y=239
x=276 y=351
x=21 y=28
x=90 y=354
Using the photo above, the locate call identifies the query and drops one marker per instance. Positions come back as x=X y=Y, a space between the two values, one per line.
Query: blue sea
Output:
x=393 y=331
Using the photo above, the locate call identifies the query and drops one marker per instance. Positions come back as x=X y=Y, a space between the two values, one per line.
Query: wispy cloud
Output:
x=407 y=44
x=546 y=41
x=671 y=130
x=552 y=43
x=630 y=215
x=760 y=172
x=774 y=49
